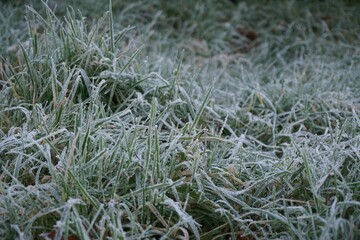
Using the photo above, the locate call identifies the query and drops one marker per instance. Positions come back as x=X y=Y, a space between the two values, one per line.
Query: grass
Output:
x=191 y=120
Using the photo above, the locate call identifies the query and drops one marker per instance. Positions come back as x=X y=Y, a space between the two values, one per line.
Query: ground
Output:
x=179 y=120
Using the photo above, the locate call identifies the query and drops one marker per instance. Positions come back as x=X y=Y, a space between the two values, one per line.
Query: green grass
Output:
x=168 y=120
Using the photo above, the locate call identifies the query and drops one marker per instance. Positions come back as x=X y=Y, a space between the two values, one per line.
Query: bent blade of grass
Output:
x=201 y=109
x=91 y=199
x=113 y=87
x=111 y=26
x=32 y=75
x=185 y=218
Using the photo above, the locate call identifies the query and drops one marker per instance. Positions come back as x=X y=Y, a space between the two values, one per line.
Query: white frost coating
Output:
x=73 y=201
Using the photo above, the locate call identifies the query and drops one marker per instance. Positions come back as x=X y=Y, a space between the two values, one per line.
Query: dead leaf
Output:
x=45 y=179
x=249 y=34
x=51 y=236
x=327 y=19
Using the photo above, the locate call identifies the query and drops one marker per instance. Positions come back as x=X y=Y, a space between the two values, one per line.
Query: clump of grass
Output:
x=99 y=141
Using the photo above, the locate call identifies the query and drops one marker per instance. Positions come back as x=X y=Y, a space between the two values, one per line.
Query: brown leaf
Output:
x=240 y=237
x=45 y=179
x=249 y=34
x=326 y=18
x=51 y=236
